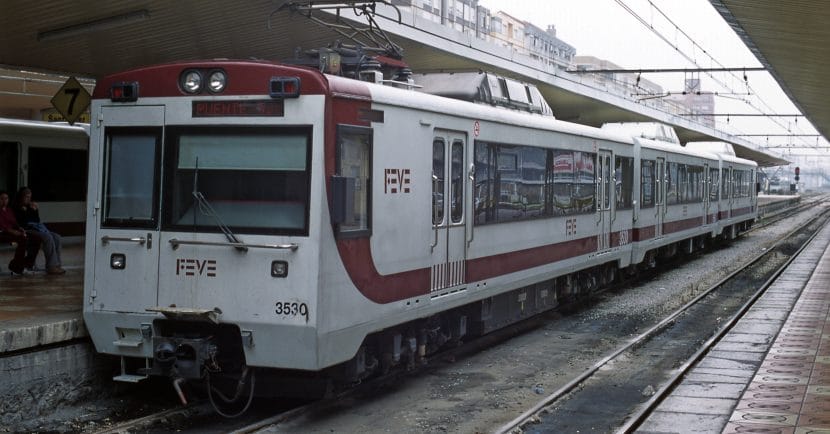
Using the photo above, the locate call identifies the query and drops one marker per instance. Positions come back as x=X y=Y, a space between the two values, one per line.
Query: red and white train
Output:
x=249 y=214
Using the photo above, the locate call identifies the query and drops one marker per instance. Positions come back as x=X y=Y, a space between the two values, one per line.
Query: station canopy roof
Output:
x=90 y=39
x=791 y=39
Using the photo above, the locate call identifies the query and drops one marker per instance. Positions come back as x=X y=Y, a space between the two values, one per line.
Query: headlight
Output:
x=118 y=261
x=191 y=81
x=216 y=81
x=279 y=268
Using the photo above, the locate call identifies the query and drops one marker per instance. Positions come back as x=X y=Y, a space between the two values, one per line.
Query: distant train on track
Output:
x=51 y=159
x=246 y=215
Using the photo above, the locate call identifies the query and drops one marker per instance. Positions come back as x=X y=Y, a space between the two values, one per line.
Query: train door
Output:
x=660 y=196
x=10 y=170
x=126 y=220
x=605 y=199
x=449 y=186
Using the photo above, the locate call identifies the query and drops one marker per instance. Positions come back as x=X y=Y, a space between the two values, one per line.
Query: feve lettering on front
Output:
x=196 y=267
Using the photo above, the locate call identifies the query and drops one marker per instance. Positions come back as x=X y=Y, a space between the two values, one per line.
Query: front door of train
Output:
x=660 y=196
x=449 y=219
x=126 y=220
x=605 y=199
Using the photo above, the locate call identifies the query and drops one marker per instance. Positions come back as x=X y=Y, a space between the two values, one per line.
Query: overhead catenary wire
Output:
x=693 y=61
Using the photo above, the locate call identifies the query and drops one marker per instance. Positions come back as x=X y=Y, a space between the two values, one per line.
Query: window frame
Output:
x=342 y=129
x=625 y=199
x=173 y=133
x=489 y=213
x=651 y=181
x=154 y=221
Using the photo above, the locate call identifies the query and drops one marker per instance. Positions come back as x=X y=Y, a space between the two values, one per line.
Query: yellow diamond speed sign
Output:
x=71 y=100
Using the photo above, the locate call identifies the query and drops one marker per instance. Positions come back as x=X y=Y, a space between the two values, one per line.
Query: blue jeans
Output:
x=51 y=245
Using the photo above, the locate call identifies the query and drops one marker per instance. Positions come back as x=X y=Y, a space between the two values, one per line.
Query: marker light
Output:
x=118 y=261
x=284 y=87
x=191 y=81
x=279 y=269
x=124 y=91
x=216 y=81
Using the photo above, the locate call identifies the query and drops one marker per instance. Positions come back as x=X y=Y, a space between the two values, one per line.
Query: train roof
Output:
x=725 y=150
x=647 y=130
x=439 y=104
x=10 y=128
x=486 y=88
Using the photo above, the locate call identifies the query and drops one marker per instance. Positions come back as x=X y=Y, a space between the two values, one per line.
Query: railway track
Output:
x=805 y=203
x=617 y=392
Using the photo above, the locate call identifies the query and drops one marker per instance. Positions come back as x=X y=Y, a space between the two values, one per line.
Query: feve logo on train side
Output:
x=397 y=181
x=196 y=267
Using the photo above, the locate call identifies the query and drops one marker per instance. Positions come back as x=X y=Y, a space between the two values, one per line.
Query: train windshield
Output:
x=252 y=180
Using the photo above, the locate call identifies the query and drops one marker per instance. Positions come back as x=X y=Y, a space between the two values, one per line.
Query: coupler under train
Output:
x=210 y=354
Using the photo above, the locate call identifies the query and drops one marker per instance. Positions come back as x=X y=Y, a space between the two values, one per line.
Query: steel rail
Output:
x=149 y=420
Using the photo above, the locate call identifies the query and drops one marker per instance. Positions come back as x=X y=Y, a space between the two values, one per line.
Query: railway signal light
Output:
x=797 y=172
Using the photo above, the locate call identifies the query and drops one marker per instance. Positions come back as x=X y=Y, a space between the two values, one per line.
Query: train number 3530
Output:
x=288 y=308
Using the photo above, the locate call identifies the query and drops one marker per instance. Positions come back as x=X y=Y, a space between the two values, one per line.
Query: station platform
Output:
x=38 y=309
x=769 y=204
x=771 y=372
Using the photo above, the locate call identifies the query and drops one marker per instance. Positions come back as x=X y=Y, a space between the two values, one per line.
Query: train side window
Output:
x=457 y=179
x=563 y=181
x=585 y=185
x=725 y=181
x=485 y=182
x=647 y=183
x=624 y=181
x=671 y=184
x=354 y=163
x=68 y=165
x=438 y=164
x=715 y=184
x=9 y=160
x=131 y=183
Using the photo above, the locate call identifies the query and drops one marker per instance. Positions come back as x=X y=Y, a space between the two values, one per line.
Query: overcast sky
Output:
x=605 y=29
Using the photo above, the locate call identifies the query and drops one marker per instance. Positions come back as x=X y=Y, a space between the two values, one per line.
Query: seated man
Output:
x=11 y=232
x=27 y=215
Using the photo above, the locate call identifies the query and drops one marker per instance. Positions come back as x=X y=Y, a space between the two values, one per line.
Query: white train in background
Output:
x=51 y=159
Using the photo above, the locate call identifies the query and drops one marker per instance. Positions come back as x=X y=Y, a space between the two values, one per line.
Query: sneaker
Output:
x=56 y=270
x=15 y=268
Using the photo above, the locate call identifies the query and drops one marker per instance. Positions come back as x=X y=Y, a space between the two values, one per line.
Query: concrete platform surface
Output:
x=38 y=309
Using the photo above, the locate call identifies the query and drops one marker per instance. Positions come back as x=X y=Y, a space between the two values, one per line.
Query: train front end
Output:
x=204 y=218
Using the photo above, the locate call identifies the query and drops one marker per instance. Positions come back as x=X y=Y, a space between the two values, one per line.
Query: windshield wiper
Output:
x=206 y=209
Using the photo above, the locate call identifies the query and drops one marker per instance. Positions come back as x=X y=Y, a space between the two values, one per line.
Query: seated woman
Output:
x=28 y=217
x=11 y=232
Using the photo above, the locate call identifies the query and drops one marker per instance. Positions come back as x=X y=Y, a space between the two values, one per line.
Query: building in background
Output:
x=621 y=83
x=544 y=46
x=701 y=104
x=522 y=37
